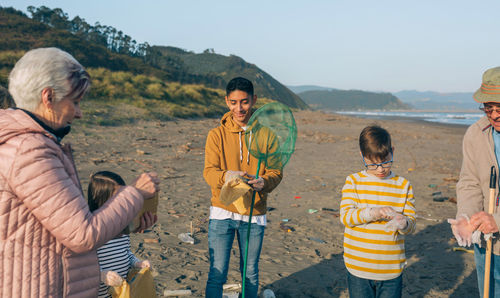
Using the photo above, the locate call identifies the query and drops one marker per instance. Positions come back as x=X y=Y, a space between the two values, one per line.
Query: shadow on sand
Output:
x=434 y=271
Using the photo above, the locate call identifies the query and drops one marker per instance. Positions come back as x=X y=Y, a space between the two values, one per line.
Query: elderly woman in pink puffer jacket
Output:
x=48 y=236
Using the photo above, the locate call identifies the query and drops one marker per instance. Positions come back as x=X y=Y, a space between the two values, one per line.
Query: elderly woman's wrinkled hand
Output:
x=148 y=219
x=147 y=184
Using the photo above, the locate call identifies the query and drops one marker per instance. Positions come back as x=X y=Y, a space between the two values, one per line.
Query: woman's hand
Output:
x=148 y=219
x=147 y=184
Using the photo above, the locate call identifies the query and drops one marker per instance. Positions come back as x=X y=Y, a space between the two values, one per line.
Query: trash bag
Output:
x=122 y=291
x=237 y=192
x=139 y=284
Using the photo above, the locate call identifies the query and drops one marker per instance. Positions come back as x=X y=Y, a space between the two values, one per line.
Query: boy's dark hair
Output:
x=241 y=84
x=102 y=186
x=375 y=142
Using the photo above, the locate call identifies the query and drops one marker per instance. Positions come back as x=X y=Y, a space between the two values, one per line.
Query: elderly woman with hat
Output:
x=48 y=236
x=481 y=151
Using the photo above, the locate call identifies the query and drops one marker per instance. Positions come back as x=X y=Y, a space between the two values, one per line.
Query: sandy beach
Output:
x=307 y=261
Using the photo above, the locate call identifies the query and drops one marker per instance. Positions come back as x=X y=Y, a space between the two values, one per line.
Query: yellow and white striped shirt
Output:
x=369 y=251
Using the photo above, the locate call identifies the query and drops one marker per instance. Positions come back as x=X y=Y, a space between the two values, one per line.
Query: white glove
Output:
x=111 y=278
x=377 y=213
x=476 y=237
x=398 y=222
x=230 y=175
x=462 y=230
x=488 y=236
x=142 y=264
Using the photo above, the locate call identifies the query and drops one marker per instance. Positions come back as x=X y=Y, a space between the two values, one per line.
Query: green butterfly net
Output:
x=270 y=137
x=271 y=134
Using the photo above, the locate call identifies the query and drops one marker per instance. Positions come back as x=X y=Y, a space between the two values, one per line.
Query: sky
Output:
x=442 y=46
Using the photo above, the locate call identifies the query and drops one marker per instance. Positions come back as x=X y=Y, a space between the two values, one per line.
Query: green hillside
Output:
x=20 y=33
x=121 y=96
x=104 y=47
x=342 y=100
x=225 y=68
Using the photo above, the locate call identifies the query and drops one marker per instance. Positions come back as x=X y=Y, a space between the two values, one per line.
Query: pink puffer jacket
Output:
x=48 y=236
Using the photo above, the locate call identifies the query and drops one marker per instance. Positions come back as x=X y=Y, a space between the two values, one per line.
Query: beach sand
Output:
x=305 y=262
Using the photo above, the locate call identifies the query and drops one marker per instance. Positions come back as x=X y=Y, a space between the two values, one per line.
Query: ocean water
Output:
x=441 y=117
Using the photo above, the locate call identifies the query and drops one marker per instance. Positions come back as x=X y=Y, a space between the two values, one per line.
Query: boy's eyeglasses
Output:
x=487 y=109
x=384 y=165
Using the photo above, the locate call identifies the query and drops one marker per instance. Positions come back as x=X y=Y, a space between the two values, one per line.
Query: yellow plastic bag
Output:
x=122 y=291
x=139 y=284
x=238 y=193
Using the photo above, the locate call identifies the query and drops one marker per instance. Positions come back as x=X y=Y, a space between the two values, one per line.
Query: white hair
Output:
x=42 y=68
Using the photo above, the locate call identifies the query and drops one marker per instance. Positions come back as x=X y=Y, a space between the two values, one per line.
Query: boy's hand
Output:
x=398 y=222
x=230 y=175
x=111 y=278
x=382 y=213
x=256 y=184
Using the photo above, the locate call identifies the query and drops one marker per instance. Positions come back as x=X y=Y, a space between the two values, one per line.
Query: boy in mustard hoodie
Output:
x=226 y=157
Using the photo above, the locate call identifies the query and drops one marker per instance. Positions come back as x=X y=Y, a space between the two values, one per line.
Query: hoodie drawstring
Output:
x=248 y=150
x=241 y=147
x=241 y=150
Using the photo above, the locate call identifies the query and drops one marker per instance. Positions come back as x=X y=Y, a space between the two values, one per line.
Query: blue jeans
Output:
x=368 y=288
x=479 y=257
x=220 y=241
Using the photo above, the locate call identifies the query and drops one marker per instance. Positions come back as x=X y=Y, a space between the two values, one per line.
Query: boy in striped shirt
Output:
x=377 y=210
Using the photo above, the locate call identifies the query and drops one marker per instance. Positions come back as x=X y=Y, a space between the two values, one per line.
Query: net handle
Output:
x=248 y=233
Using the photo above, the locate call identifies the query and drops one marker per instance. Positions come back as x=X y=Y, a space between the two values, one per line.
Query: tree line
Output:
x=113 y=39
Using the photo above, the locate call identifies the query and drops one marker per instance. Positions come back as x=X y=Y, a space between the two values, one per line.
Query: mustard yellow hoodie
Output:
x=226 y=150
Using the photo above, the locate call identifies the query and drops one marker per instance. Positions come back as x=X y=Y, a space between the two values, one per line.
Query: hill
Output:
x=343 y=100
x=127 y=63
x=430 y=100
x=20 y=33
x=211 y=64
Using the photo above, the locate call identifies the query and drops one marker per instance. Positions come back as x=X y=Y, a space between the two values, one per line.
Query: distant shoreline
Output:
x=456 y=118
x=405 y=111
